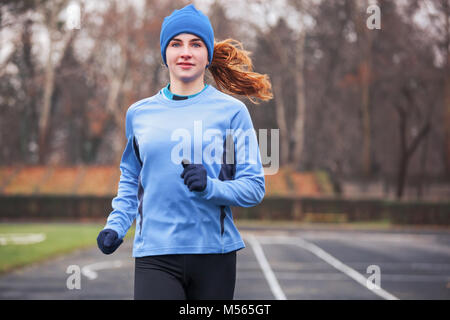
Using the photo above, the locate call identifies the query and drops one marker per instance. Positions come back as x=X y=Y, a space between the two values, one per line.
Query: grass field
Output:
x=60 y=238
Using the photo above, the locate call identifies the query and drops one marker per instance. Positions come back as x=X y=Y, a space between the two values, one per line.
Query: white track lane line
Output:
x=328 y=258
x=267 y=270
x=90 y=271
x=21 y=238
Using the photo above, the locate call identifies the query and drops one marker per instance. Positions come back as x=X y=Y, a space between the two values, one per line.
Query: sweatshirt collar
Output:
x=171 y=96
x=186 y=102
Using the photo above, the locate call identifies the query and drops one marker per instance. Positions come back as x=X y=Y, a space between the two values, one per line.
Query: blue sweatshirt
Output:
x=170 y=219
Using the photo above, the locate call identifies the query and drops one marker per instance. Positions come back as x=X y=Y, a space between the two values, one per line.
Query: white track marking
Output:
x=339 y=276
x=89 y=271
x=267 y=270
x=328 y=258
x=21 y=238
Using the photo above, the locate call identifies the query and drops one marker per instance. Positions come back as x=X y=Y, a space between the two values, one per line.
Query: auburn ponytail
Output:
x=232 y=70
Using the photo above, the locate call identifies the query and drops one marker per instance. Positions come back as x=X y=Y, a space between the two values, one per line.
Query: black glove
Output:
x=194 y=176
x=108 y=241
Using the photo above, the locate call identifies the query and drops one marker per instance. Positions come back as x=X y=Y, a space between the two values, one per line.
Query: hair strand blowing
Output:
x=232 y=70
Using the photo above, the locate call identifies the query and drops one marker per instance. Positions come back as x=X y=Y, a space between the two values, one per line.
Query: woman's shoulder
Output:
x=142 y=102
x=228 y=99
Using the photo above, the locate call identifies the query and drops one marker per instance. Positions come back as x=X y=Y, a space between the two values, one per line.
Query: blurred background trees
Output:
x=358 y=103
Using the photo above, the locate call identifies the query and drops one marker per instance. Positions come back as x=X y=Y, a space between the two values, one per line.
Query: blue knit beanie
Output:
x=187 y=20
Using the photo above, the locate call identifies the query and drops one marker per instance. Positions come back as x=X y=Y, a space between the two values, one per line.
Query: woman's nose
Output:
x=186 y=52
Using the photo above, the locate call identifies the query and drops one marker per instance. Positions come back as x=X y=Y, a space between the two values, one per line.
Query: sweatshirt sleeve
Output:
x=247 y=189
x=125 y=204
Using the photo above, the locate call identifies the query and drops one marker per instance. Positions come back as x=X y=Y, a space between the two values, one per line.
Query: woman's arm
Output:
x=247 y=189
x=125 y=204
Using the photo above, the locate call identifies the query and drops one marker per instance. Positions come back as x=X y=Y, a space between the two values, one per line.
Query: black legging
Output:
x=185 y=276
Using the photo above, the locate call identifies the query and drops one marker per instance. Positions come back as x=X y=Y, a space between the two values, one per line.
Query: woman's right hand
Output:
x=108 y=241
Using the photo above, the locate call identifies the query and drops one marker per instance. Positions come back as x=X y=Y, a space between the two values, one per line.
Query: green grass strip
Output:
x=60 y=238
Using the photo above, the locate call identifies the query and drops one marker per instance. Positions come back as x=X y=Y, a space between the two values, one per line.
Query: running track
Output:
x=276 y=264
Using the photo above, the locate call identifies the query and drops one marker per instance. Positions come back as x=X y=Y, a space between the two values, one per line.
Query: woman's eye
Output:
x=176 y=44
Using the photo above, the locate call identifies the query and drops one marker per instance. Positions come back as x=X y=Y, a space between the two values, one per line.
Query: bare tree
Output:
x=51 y=12
x=408 y=83
x=407 y=149
x=445 y=7
x=298 y=135
x=286 y=45
x=364 y=41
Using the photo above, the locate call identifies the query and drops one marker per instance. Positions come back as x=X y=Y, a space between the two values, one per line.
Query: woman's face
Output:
x=186 y=57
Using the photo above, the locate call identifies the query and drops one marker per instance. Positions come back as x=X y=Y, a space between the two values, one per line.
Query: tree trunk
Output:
x=51 y=16
x=365 y=110
x=407 y=151
x=281 y=119
x=299 y=124
x=403 y=158
x=46 y=102
x=365 y=71
x=446 y=7
x=423 y=169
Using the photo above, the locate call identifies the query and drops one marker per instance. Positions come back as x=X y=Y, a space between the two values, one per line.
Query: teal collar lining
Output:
x=171 y=96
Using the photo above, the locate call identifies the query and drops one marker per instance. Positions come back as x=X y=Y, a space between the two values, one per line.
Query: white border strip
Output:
x=267 y=270
x=328 y=258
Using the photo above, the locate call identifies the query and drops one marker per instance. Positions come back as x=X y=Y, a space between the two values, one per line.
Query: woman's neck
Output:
x=186 y=88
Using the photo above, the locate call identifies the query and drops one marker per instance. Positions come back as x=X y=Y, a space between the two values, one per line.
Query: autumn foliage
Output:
x=103 y=181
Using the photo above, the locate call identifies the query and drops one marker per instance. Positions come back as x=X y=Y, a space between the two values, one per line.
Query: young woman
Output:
x=185 y=164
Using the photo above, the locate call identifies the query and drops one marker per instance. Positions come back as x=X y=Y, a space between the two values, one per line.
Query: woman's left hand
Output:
x=194 y=176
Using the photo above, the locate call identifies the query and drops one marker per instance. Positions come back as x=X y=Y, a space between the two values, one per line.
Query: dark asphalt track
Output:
x=300 y=264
